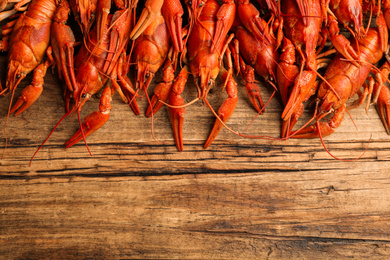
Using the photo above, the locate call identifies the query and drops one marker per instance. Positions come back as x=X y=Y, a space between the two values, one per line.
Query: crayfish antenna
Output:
x=318 y=129
x=337 y=158
x=261 y=111
x=238 y=133
x=5 y=123
x=152 y=116
x=82 y=131
x=327 y=83
x=15 y=78
x=353 y=121
x=185 y=105
x=52 y=131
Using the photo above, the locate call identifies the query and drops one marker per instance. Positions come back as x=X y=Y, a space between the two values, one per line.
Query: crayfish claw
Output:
x=383 y=107
x=151 y=9
x=172 y=12
x=95 y=120
x=177 y=120
x=161 y=92
x=313 y=131
x=177 y=109
x=92 y=122
x=225 y=16
x=225 y=110
x=29 y=95
x=253 y=92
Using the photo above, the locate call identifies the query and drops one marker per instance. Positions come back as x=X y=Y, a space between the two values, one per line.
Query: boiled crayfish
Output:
x=343 y=79
x=205 y=65
x=284 y=42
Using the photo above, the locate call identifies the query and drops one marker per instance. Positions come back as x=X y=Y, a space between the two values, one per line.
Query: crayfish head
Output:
x=85 y=12
x=328 y=104
x=195 y=7
x=205 y=82
x=325 y=107
x=304 y=85
x=334 y=93
x=356 y=19
x=16 y=72
x=89 y=82
x=144 y=76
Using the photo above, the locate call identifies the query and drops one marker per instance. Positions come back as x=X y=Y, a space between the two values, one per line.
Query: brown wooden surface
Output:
x=241 y=199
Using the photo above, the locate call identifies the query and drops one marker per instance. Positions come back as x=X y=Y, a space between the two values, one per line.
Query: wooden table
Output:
x=137 y=197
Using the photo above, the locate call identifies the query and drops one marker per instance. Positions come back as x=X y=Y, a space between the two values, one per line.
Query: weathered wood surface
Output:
x=241 y=199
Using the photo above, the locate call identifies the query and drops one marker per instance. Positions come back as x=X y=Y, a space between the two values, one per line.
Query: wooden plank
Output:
x=241 y=198
x=240 y=216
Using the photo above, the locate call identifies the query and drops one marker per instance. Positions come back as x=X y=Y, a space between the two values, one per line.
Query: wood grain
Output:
x=137 y=197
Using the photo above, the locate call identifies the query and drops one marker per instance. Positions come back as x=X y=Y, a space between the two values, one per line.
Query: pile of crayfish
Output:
x=328 y=51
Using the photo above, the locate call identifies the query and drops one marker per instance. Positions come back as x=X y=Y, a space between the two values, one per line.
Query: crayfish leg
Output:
x=172 y=11
x=124 y=86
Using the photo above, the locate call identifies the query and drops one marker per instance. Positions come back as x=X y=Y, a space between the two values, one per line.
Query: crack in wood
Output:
x=306 y=238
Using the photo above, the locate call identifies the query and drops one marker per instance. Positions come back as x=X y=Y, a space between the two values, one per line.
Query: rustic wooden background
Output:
x=141 y=198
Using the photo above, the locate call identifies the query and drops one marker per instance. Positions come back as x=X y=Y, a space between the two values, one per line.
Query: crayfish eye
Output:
x=147 y=76
x=201 y=4
x=83 y=95
x=190 y=2
x=209 y=82
x=18 y=76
